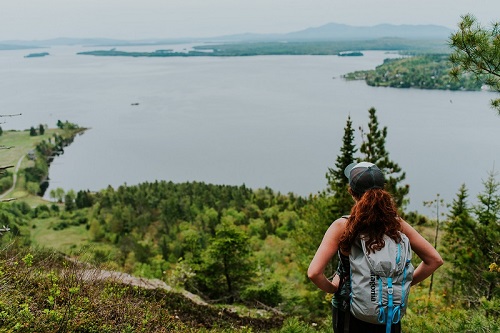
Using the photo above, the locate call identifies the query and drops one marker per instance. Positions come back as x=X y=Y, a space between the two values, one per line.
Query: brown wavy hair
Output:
x=373 y=215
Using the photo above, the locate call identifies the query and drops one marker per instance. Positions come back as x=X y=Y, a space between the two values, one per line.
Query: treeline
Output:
x=289 y=48
x=225 y=243
x=45 y=152
x=430 y=71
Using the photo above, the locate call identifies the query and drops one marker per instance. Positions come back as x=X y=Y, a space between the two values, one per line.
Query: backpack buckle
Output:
x=390 y=290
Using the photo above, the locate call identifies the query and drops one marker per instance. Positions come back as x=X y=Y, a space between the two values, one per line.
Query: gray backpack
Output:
x=380 y=281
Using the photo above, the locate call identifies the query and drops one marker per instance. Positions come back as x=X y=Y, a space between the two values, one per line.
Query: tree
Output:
x=41 y=129
x=83 y=199
x=58 y=194
x=487 y=212
x=69 y=201
x=488 y=209
x=460 y=249
x=373 y=148
x=33 y=131
x=337 y=181
x=476 y=50
x=227 y=267
x=471 y=246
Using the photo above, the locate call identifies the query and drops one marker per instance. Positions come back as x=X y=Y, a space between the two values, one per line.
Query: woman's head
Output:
x=374 y=213
x=363 y=176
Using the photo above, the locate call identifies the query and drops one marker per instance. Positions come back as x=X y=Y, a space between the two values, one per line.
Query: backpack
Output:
x=380 y=281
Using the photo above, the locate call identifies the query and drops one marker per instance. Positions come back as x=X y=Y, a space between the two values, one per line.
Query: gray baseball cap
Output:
x=364 y=176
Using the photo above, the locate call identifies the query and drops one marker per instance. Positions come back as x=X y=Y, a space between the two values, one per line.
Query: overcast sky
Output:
x=139 y=19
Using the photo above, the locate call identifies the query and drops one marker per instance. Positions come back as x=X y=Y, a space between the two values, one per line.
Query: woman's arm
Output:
x=431 y=260
x=327 y=249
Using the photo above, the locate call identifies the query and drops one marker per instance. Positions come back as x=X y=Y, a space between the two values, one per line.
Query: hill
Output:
x=343 y=32
x=327 y=32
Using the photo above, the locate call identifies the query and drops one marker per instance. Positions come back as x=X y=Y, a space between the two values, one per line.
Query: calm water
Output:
x=272 y=121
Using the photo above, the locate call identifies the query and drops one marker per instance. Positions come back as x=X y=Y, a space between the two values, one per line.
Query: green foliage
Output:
x=6 y=181
x=66 y=125
x=69 y=201
x=84 y=199
x=45 y=293
x=226 y=268
x=57 y=194
x=33 y=131
x=374 y=150
x=476 y=50
x=337 y=181
x=488 y=208
x=41 y=129
x=430 y=71
x=269 y=295
x=295 y=325
x=289 y=48
x=470 y=275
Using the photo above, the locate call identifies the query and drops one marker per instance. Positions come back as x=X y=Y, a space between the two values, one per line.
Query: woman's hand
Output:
x=336 y=282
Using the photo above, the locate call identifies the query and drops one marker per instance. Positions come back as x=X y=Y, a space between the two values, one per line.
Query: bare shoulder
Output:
x=340 y=222
x=407 y=229
x=337 y=227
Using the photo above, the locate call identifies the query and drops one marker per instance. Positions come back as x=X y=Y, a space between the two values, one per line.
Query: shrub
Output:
x=269 y=295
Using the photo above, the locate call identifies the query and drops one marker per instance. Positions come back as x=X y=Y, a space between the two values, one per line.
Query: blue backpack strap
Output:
x=390 y=305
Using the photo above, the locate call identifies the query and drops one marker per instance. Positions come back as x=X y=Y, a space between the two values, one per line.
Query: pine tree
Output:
x=337 y=181
x=488 y=238
x=373 y=148
x=488 y=209
x=459 y=247
x=476 y=50
x=470 y=245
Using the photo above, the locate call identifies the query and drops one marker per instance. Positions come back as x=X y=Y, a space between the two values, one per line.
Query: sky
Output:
x=146 y=19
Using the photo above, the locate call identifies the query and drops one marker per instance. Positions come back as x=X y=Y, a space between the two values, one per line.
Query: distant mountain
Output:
x=335 y=31
x=327 y=32
x=346 y=32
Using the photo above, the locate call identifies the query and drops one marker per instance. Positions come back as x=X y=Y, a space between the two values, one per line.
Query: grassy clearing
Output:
x=17 y=145
x=21 y=143
x=43 y=234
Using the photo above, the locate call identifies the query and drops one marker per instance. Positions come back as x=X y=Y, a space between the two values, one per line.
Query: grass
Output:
x=16 y=145
x=44 y=292
x=42 y=233
x=21 y=143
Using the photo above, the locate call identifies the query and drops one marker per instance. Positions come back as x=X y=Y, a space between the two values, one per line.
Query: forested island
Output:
x=37 y=55
x=285 y=48
x=351 y=54
x=431 y=71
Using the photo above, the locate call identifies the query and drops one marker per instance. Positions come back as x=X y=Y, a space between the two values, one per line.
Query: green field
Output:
x=15 y=146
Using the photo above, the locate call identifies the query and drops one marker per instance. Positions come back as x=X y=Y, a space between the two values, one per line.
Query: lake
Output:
x=273 y=121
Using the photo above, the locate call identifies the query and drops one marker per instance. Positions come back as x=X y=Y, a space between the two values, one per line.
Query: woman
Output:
x=373 y=215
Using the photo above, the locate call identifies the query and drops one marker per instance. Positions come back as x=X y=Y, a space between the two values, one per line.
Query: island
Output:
x=327 y=47
x=37 y=55
x=351 y=54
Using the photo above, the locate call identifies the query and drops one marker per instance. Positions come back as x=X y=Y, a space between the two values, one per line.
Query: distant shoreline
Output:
x=339 y=48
